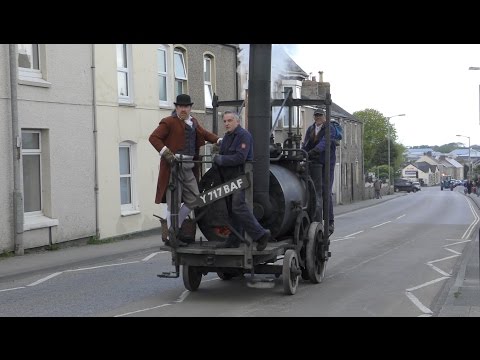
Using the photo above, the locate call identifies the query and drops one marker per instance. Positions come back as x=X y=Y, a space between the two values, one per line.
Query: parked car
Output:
x=403 y=185
x=417 y=186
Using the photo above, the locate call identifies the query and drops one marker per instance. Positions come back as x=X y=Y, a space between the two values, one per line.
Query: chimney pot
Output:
x=320 y=76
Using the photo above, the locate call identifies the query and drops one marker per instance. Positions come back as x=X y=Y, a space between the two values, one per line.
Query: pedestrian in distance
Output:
x=377 y=186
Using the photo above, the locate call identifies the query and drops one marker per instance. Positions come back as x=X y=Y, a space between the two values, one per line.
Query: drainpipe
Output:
x=94 y=111
x=18 y=210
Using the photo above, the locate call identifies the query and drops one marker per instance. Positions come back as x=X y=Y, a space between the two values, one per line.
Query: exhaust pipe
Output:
x=259 y=121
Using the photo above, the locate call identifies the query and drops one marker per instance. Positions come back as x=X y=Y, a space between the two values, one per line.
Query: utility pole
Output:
x=389 y=170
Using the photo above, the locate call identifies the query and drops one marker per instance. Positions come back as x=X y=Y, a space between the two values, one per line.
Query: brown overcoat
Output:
x=171 y=133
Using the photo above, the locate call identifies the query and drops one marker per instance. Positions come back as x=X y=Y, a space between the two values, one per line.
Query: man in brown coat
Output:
x=180 y=135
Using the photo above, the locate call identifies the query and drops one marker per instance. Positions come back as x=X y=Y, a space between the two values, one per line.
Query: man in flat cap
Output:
x=315 y=144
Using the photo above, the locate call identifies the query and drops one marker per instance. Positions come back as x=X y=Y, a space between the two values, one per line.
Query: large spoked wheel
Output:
x=191 y=277
x=316 y=267
x=291 y=271
x=302 y=224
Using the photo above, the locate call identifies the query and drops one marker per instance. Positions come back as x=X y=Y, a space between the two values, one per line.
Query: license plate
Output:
x=218 y=192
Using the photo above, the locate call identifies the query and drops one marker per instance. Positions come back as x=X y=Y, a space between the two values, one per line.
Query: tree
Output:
x=375 y=139
x=446 y=148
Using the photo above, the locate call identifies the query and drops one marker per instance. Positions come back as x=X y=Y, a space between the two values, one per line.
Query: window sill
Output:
x=38 y=222
x=127 y=104
x=129 y=212
x=166 y=107
x=30 y=81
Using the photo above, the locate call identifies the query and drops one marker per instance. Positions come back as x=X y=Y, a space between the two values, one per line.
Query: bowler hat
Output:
x=183 y=99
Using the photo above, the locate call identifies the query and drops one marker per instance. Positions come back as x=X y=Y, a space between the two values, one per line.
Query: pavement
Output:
x=459 y=298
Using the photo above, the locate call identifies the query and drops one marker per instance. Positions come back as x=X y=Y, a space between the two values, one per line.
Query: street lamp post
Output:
x=469 y=158
x=388 y=129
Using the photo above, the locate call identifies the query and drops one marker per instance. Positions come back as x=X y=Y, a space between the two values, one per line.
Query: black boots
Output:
x=262 y=242
x=231 y=242
x=331 y=228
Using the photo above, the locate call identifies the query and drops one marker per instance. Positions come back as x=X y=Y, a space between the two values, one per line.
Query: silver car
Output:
x=417 y=186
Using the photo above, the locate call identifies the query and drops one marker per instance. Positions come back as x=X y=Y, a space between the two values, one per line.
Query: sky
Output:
x=430 y=83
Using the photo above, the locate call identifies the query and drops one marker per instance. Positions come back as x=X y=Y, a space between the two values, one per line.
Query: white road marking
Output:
x=465 y=235
x=102 y=266
x=469 y=230
x=343 y=238
x=45 y=278
x=438 y=270
x=358 y=232
x=20 y=287
x=453 y=251
x=428 y=283
x=147 y=309
x=445 y=258
x=418 y=304
x=183 y=296
x=152 y=255
x=400 y=217
x=458 y=242
x=386 y=222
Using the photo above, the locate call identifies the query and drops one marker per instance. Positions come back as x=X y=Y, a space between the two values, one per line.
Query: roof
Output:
x=455 y=163
x=287 y=66
x=425 y=167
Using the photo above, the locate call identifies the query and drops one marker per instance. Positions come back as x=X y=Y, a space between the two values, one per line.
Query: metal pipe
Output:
x=95 y=131
x=215 y=114
x=18 y=209
x=280 y=111
x=259 y=119
x=328 y=190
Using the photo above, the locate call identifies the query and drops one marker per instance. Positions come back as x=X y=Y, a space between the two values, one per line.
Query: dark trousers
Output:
x=243 y=218
x=317 y=172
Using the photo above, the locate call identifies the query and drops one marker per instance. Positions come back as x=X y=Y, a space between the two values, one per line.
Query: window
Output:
x=127 y=178
x=123 y=73
x=180 y=72
x=207 y=78
x=32 y=171
x=162 y=66
x=31 y=65
x=28 y=57
x=295 y=90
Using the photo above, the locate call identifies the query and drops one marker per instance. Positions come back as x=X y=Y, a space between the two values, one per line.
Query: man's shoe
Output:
x=229 y=243
x=331 y=229
x=262 y=242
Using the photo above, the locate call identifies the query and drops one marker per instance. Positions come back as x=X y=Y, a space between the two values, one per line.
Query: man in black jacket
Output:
x=315 y=144
x=236 y=148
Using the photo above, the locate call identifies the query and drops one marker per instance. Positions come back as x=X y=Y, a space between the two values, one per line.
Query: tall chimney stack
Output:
x=320 y=76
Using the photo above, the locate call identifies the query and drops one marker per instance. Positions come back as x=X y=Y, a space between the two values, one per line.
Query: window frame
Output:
x=125 y=99
x=30 y=76
x=131 y=207
x=165 y=74
x=208 y=83
x=286 y=114
x=34 y=152
x=178 y=79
